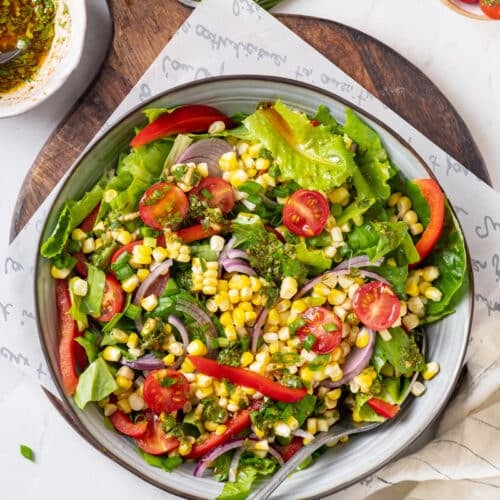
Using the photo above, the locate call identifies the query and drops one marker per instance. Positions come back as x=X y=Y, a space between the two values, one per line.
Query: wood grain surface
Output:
x=143 y=27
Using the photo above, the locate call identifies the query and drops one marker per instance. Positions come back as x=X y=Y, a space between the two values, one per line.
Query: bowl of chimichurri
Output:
x=53 y=33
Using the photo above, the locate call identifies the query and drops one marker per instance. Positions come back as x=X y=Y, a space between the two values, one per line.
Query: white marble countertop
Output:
x=459 y=55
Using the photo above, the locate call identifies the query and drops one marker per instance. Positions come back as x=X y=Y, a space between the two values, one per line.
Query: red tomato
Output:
x=491 y=8
x=69 y=331
x=376 y=305
x=238 y=423
x=123 y=424
x=112 y=299
x=165 y=390
x=163 y=205
x=216 y=192
x=288 y=451
x=247 y=378
x=435 y=199
x=325 y=326
x=184 y=119
x=469 y=1
x=382 y=408
x=155 y=441
x=195 y=233
x=88 y=223
x=306 y=212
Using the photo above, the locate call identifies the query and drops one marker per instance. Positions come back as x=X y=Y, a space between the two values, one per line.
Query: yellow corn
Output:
x=133 y=340
x=288 y=288
x=433 y=293
x=362 y=338
x=197 y=348
x=124 y=405
x=123 y=382
x=59 y=274
x=130 y=284
x=150 y=302
x=228 y=161
x=111 y=353
x=246 y=358
x=431 y=370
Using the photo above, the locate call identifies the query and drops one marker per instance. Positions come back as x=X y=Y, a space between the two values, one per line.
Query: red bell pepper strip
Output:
x=195 y=233
x=247 y=378
x=182 y=120
x=435 y=199
x=69 y=331
x=235 y=425
x=382 y=408
x=123 y=424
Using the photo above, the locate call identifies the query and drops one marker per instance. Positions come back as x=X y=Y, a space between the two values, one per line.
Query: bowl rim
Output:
x=71 y=415
x=64 y=71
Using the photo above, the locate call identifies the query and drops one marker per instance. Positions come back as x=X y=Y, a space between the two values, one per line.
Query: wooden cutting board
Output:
x=143 y=27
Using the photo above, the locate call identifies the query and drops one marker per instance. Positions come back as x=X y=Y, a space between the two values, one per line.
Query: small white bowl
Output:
x=63 y=57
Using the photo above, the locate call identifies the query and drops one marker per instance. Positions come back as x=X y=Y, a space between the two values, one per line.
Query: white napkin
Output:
x=238 y=37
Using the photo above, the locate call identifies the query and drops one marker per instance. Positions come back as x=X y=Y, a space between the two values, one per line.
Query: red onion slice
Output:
x=233 y=466
x=357 y=360
x=237 y=266
x=181 y=328
x=322 y=277
x=201 y=317
x=234 y=253
x=257 y=328
x=207 y=459
x=147 y=362
x=358 y=261
x=206 y=151
x=154 y=283
x=303 y=434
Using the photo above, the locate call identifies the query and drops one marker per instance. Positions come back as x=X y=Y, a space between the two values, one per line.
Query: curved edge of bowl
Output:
x=71 y=415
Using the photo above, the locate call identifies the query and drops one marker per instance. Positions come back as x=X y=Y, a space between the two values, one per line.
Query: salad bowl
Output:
x=341 y=465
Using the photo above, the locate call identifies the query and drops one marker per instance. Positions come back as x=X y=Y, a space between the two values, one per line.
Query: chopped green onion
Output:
x=132 y=312
x=64 y=261
x=330 y=327
x=250 y=187
x=309 y=342
x=122 y=268
x=319 y=362
x=171 y=288
x=295 y=325
x=255 y=199
x=274 y=171
x=149 y=232
x=149 y=241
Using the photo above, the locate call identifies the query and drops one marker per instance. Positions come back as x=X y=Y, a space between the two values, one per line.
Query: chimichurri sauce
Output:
x=31 y=21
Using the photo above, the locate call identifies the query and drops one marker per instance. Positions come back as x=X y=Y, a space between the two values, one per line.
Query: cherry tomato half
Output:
x=112 y=300
x=325 y=326
x=306 y=212
x=122 y=423
x=376 y=305
x=491 y=8
x=163 y=205
x=165 y=390
x=155 y=441
x=216 y=192
x=287 y=451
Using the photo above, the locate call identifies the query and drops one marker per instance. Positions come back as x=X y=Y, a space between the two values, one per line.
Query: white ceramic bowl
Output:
x=63 y=57
x=341 y=465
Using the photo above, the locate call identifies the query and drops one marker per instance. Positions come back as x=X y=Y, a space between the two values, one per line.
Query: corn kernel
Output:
x=209 y=290
x=431 y=370
x=228 y=161
x=282 y=429
x=59 y=274
x=410 y=321
x=130 y=284
x=133 y=340
x=336 y=297
x=417 y=388
x=412 y=286
x=123 y=382
x=124 y=405
x=109 y=409
x=150 y=302
x=197 y=348
x=111 y=353
x=416 y=229
x=403 y=205
x=238 y=317
x=230 y=332
x=246 y=359
x=88 y=245
x=234 y=295
x=187 y=366
x=288 y=288
x=433 y=293
x=430 y=273
x=362 y=338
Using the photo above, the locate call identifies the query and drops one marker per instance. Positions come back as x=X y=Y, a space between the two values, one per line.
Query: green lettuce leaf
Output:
x=239 y=489
x=365 y=412
x=95 y=383
x=89 y=341
x=91 y=303
x=324 y=117
x=450 y=257
x=71 y=216
x=377 y=239
x=162 y=462
x=311 y=156
x=371 y=157
x=401 y=352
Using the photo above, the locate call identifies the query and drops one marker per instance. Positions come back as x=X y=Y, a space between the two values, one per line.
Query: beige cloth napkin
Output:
x=238 y=37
